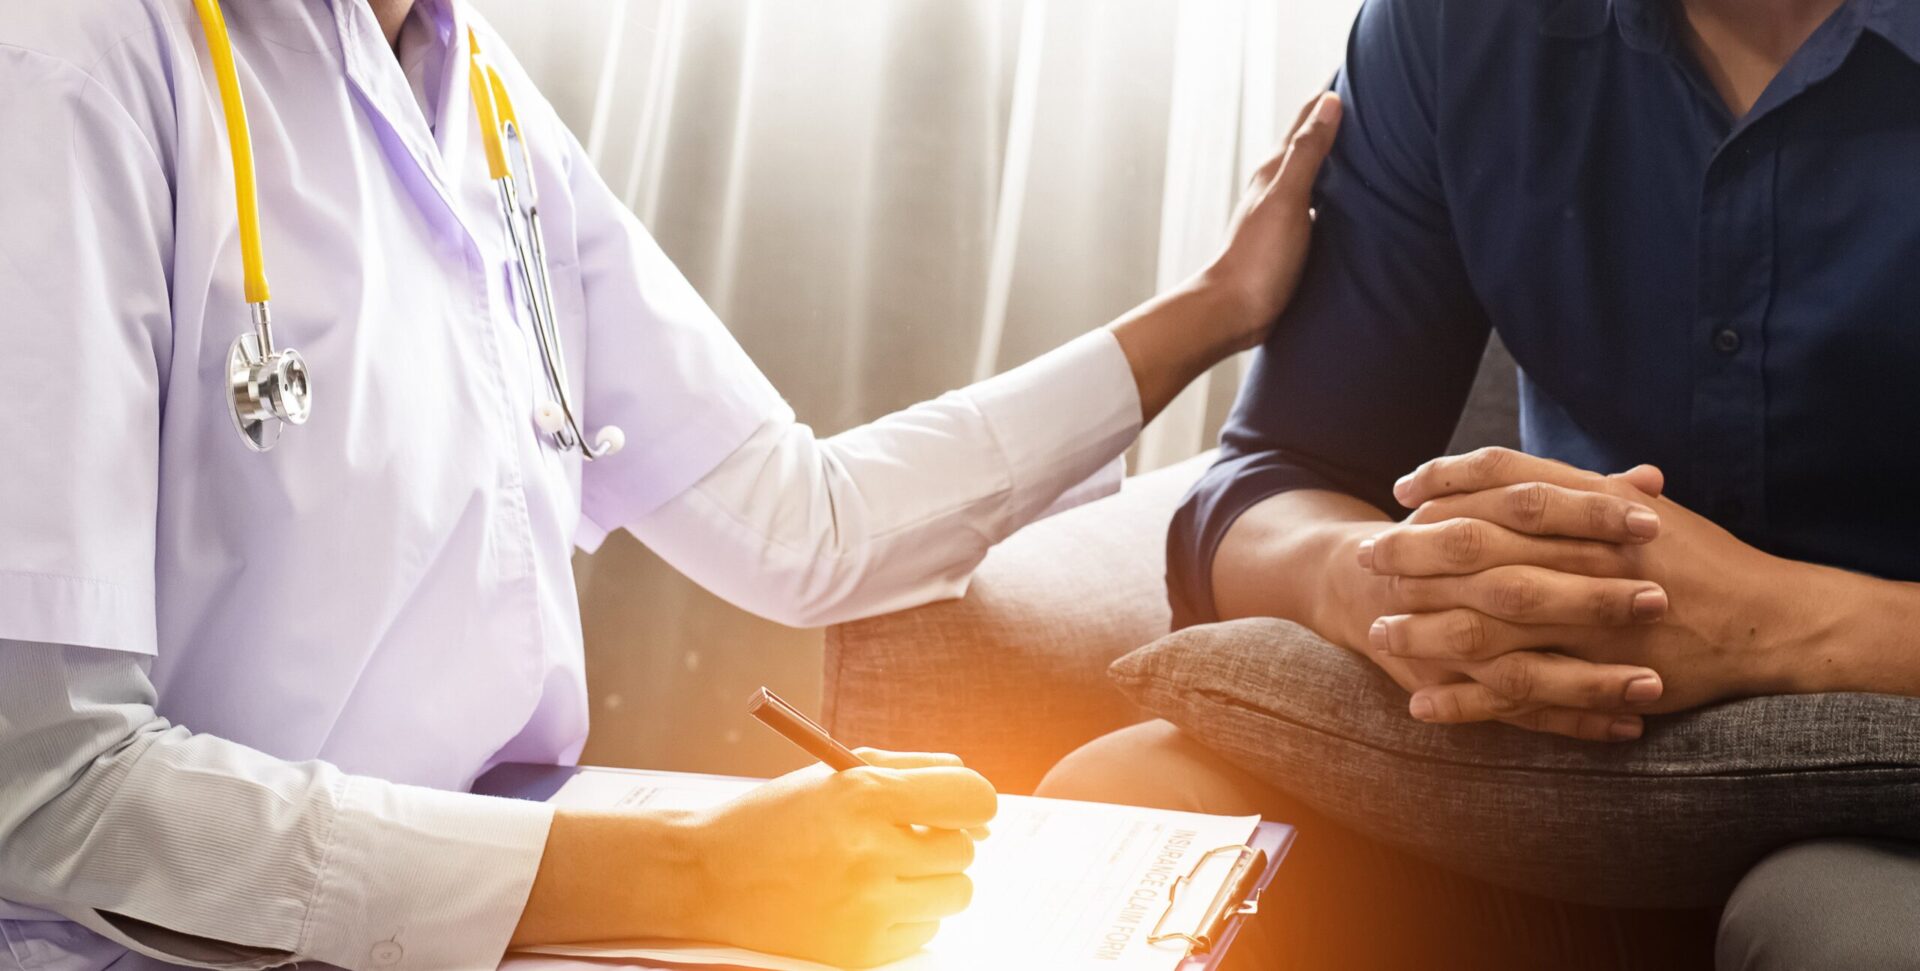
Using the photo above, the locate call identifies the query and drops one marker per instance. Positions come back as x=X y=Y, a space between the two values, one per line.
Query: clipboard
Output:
x=1208 y=935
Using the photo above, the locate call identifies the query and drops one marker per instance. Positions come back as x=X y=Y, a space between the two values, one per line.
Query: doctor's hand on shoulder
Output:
x=852 y=869
x=1266 y=250
x=1232 y=303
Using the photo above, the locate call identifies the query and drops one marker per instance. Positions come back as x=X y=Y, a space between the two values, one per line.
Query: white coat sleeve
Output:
x=196 y=850
x=85 y=332
x=658 y=363
x=899 y=512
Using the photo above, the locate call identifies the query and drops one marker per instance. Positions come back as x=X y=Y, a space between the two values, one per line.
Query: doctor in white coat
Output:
x=242 y=694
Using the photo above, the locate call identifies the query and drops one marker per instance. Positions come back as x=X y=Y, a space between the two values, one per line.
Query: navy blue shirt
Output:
x=1736 y=300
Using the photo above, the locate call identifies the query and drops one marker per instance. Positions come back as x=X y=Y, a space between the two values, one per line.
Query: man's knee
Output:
x=1152 y=764
x=1826 y=904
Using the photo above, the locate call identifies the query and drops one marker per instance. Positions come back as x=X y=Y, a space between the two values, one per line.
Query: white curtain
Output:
x=888 y=198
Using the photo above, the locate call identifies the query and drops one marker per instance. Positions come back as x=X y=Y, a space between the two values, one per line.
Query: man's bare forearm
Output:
x=1854 y=633
x=1294 y=556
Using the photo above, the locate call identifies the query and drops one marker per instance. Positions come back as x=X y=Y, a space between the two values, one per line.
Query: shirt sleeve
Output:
x=85 y=243
x=659 y=365
x=1365 y=376
x=899 y=512
x=196 y=850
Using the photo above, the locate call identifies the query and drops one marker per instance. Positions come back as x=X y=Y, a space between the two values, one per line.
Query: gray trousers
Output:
x=1840 y=903
x=1345 y=901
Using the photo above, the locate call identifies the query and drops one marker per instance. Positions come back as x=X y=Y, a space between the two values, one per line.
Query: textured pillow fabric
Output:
x=1672 y=820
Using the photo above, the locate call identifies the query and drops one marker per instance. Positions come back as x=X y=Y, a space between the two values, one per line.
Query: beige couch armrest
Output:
x=1013 y=675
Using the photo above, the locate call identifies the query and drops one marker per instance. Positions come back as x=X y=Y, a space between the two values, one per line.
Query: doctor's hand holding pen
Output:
x=857 y=868
x=852 y=868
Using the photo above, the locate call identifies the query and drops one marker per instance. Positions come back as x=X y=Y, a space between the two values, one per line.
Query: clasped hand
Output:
x=1527 y=591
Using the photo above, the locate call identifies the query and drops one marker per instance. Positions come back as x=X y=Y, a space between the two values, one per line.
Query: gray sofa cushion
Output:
x=1672 y=820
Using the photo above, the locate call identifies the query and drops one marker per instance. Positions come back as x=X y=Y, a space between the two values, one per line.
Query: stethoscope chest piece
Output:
x=268 y=389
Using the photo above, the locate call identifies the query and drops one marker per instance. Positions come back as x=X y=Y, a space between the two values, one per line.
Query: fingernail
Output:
x=1650 y=605
x=1644 y=689
x=1624 y=729
x=1379 y=636
x=1421 y=707
x=1402 y=488
x=1644 y=523
x=1366 y=554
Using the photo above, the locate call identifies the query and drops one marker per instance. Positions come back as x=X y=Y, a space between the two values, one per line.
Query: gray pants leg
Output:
x=1842 y=903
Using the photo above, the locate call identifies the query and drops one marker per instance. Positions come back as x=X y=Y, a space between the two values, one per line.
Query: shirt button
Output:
x=1727 y=341
x=387 y=953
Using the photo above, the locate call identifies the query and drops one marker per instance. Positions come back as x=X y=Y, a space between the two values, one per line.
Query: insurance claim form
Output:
x=1061 y=886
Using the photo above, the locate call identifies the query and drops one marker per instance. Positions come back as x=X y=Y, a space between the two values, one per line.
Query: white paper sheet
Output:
x=1059 y=886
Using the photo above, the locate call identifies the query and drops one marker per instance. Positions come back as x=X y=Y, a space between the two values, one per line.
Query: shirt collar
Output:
x=1643 y=24
x=1646 y=25
x=1898 y=21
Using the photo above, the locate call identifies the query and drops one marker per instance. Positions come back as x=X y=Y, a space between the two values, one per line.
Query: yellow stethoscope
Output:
x=268 y=386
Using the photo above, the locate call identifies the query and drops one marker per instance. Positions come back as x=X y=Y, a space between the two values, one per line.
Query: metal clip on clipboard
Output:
x=1229 y=901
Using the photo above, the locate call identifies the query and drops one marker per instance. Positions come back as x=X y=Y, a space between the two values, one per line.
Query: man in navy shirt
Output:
x=1696 y=224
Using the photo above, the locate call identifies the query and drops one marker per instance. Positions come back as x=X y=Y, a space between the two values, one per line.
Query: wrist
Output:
x=1238 y=312
x=1295 y=556
x=1806 y=629
x=610 y=876
x=1849 y=632
x=1174 y=338
x=1349 y=599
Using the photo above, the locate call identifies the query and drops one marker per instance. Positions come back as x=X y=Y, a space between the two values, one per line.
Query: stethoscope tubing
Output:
x=268 y=386
x=536 y=286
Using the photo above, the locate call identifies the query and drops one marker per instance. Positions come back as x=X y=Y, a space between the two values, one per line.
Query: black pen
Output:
x=775 y=713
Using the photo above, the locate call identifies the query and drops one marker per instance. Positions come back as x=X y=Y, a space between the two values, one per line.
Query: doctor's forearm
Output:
x=1176 y=337
x=612 y=875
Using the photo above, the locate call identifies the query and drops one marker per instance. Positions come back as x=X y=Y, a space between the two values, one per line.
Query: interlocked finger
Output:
x=1458 y=547
x=1494 y=468
x=1532 y=595
x=1545 y=509
x=1455 y=635
x=1585 y=725
x=1520 y=686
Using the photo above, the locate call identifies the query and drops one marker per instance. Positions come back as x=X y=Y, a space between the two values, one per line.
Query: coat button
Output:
x=387 y=953
x=1727 y=341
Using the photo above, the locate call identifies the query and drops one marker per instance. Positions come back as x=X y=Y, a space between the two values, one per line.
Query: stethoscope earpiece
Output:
x=609 y=441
